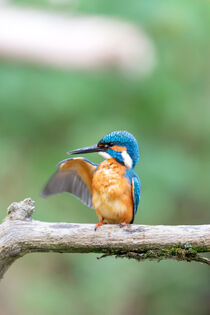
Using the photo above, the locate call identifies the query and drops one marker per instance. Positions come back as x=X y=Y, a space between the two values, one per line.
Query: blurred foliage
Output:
x=44 y=113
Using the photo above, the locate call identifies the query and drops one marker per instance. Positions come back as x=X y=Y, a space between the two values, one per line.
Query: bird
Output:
x=111 y=188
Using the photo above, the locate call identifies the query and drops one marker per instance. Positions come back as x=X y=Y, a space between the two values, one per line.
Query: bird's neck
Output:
x=112 y=163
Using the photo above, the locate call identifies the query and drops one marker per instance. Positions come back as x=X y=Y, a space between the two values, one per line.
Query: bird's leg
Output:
x=100 y=223
x=123 y=224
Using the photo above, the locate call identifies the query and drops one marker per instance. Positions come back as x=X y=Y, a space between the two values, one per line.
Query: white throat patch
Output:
x=127 y=159
x=105 y=155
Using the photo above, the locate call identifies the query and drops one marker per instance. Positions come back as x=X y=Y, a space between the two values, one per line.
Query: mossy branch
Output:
x=19 y=235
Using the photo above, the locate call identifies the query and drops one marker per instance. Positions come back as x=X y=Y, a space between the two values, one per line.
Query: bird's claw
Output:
x=122 y=224
x=100 y=223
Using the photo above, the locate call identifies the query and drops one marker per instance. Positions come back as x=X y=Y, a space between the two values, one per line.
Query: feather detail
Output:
x=136 y=189
x=73 y=176
x=112 y=195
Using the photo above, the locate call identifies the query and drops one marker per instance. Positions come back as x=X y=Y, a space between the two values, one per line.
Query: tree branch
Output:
x=19 y=235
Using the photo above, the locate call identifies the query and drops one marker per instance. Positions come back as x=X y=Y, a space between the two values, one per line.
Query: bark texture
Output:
x=19 y=235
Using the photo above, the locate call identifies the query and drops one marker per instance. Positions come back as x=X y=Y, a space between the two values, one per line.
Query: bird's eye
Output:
x=106 y=145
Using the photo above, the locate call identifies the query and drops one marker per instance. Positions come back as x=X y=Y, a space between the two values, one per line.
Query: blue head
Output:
x=120 y=145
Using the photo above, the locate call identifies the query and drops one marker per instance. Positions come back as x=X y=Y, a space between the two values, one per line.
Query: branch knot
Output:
x=22 y=210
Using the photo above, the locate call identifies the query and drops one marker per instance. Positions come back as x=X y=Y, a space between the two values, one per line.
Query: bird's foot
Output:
x=100 y=223
x=122 y=224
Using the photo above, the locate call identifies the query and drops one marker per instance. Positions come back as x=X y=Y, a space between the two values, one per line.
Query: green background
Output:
x=44 y=113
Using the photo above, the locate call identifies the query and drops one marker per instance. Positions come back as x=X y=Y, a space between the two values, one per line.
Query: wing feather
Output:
x=136 y=189
x=73 y=176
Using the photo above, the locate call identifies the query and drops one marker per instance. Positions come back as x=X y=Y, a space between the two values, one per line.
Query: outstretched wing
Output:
x=74 y=176
x=136 y=189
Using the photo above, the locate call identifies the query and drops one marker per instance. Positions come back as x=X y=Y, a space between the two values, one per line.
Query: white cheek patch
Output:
x=105 y=155
x=127 y=159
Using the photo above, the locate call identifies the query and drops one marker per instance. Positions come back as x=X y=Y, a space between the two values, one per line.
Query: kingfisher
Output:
x=111 y=188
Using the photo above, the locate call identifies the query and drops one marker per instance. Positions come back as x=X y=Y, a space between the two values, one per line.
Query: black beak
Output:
x=91 y=149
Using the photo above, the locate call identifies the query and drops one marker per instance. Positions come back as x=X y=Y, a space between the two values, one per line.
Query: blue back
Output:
x=136 y=188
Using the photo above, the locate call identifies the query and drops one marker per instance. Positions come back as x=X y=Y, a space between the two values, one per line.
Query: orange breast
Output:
x=111 y=193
